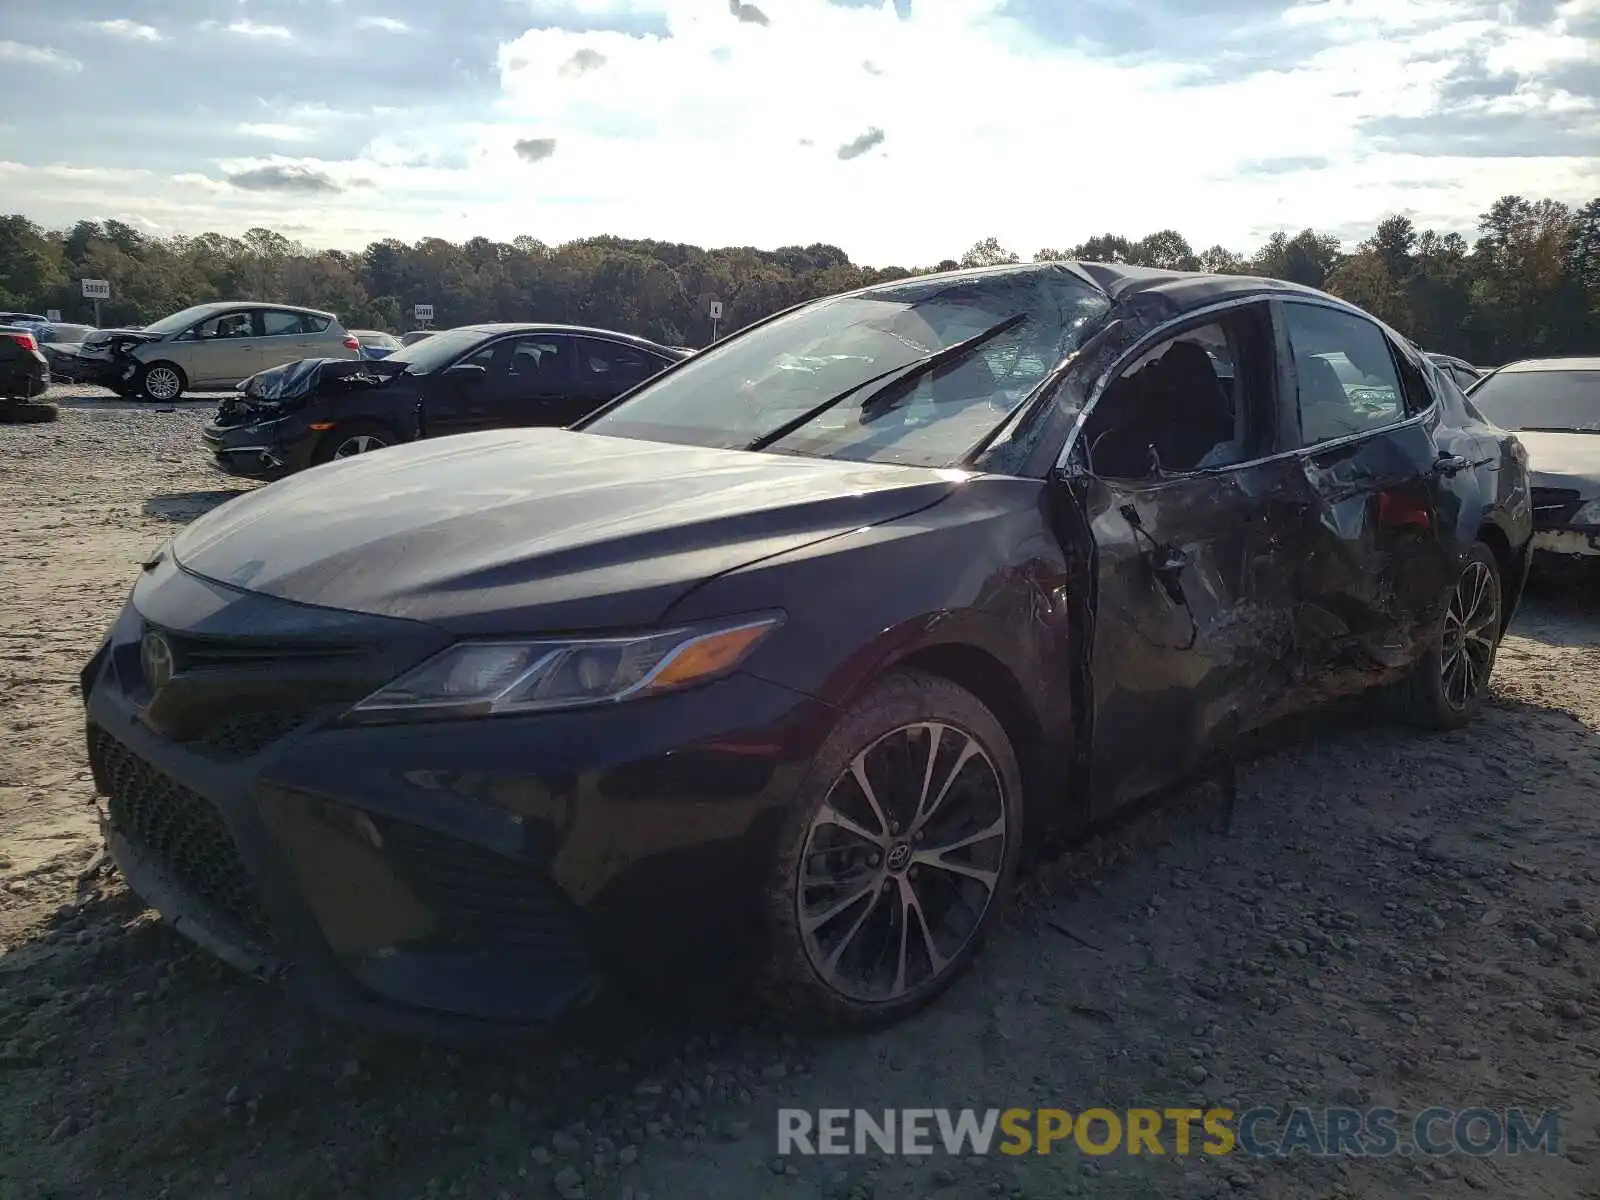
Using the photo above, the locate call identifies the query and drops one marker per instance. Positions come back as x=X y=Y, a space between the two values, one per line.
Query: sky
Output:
x=900 y=130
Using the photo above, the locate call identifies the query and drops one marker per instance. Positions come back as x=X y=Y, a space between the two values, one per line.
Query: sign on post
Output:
x=97 y=290
x=716 y=315
x=422 y=312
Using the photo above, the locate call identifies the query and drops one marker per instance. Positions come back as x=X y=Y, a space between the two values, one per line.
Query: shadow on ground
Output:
x=187 y=506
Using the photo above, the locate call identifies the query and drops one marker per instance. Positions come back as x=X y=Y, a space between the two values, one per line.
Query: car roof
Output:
x=1169 y=293
x=236 y=305
x=1551 y=364
x=501 y=327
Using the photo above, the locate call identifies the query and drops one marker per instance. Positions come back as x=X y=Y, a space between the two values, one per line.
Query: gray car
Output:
x=1553 y=406
x=209 y=346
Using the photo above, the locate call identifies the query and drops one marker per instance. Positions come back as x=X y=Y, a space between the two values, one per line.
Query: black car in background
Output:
x=796 y=648
x=1460 y=370
x=1553 y=405
x=456 y=381
x=24 y=377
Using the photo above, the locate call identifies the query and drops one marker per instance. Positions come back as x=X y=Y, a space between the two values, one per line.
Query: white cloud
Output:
x=385 y=24
x=967 y=125
x=133 y=31
x=249 y=28
x=37 y=56
x=273 y=132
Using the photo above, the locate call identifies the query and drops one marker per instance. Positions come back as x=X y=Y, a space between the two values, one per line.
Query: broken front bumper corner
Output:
x=1576 y=543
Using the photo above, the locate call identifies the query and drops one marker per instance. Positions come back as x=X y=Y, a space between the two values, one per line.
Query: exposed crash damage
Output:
x=247 y=436
x=456 y=381
x=205 y=347
x=799 y=646
x=104 y=359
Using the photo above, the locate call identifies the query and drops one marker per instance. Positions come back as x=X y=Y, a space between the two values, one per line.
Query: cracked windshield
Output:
x=835 y=369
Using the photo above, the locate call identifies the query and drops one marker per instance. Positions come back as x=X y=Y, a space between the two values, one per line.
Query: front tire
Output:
x=897 y=857
x=162 y=382
x=1450 y=681
x=352 y=438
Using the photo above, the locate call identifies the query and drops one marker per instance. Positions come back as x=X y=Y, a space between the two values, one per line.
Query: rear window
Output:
x=1541 y=400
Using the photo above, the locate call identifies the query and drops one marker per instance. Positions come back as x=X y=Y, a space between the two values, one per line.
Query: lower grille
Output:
x=244 y=734
x=180 y=830
x=1555 y=506
x=487 y=898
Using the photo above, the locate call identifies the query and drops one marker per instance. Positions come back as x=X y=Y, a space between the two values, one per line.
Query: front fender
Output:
x=975 y=587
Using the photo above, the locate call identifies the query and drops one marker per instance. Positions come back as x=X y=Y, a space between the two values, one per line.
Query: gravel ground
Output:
x=1392 y=919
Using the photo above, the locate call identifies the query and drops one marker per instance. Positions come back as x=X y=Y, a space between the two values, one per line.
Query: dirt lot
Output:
x=1393 y=919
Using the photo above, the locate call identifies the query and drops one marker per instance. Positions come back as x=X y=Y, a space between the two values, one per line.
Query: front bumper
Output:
x=75 y=368
x=262 y=449
x=445 y=877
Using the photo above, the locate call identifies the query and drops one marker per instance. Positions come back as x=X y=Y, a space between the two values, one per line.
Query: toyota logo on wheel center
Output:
x=899 y=856
x=155 y=656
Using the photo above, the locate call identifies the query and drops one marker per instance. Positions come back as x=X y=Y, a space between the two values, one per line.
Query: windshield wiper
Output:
x=900 y=375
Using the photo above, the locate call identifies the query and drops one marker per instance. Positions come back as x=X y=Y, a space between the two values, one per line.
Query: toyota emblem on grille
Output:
x=155 y=656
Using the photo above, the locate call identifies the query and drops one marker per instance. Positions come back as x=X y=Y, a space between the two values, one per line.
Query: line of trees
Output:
x=1528 y=285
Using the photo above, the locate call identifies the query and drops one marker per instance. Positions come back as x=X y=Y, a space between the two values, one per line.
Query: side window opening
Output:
x=315 y=324
x=1346 y=378
x=1191 y=403
x=275 y=323
x=1420 y=386
x=613 y=365
x=538 y=361
x=483 y=358
x=228 y=325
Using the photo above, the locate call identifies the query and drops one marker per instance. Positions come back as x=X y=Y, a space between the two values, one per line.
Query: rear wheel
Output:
x=897 y=857
x=162 y=381
x=1449 y=683
x=352 y=438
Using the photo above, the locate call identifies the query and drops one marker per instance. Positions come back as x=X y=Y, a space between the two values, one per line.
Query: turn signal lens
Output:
x=711 y=654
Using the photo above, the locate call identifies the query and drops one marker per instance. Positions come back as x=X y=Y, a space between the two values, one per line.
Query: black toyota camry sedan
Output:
x=799 y=647
x=464 y=380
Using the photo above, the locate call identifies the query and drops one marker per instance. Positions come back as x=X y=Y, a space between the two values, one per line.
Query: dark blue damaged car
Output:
x=796 y=649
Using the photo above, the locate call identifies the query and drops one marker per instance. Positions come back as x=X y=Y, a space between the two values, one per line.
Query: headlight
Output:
x=474 y=679
x=1589 y=514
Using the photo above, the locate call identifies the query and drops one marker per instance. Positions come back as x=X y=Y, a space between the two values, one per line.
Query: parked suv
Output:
x=208 y=346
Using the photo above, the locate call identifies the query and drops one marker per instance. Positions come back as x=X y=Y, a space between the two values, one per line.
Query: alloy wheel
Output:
x=901 y=862
x=361 y=443
x=162 y=383
x=1471 y=625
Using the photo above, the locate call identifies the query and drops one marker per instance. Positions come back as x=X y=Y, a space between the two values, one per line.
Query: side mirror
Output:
x=466 y=373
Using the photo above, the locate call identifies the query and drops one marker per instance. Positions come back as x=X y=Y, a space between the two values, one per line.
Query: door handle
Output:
x=1450 y=464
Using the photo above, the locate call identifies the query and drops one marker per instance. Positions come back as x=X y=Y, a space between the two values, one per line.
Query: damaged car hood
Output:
x=295 y=380
x=537 y=530
x=1565 y=460
x=108 y=341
